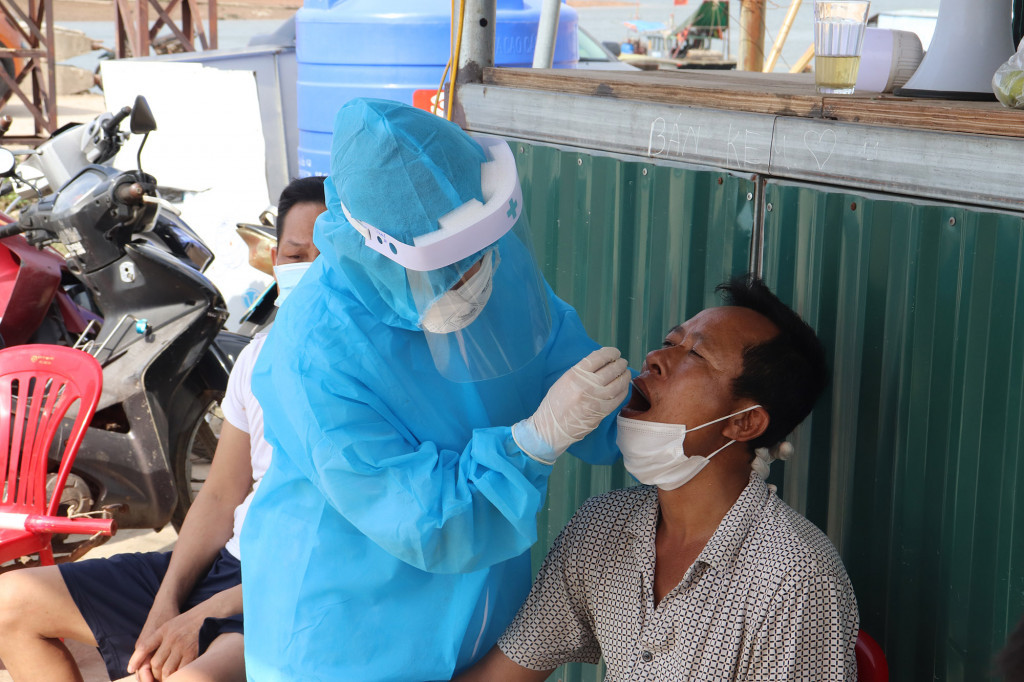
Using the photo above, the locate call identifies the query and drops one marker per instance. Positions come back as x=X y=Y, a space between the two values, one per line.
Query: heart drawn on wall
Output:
x=820 y=145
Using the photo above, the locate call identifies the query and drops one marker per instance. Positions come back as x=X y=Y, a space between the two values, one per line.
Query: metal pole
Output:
x=477 y=52
x=752 y=35
x=477 y=49
x=787 y=24
x=547 y=33
x=51 y=71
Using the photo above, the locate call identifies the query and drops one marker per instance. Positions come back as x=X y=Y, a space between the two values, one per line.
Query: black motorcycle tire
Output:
x=193 y=450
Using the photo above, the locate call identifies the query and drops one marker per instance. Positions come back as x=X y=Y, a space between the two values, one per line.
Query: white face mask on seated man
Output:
x=288 y=276
x=653 y=453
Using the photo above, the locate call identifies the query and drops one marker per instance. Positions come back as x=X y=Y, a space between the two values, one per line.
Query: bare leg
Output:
x=36 y=610
x=223 y=661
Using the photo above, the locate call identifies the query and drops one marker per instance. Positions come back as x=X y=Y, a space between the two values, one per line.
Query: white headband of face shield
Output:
x=652 y=452
x=467 y=229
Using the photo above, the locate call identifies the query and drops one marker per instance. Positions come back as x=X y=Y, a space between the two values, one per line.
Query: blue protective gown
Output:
x=389 y=540
x=390 y=537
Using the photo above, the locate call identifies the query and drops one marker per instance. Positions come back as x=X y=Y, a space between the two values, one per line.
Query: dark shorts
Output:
x=115 y=595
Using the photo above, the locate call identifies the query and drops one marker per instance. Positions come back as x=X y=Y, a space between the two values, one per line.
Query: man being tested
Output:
x=703 y=573
x=145 y=611
x=417 y=395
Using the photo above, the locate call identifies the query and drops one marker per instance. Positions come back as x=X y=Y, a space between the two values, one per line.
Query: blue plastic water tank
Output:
x=390 y=49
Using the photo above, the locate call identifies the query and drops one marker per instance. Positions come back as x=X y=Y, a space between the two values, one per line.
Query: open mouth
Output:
x=638 y=400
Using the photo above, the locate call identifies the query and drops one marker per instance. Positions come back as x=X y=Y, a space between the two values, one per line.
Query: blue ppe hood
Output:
x=399 y=169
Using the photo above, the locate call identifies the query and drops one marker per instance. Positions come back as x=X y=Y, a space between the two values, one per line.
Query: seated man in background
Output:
x=702 y=573
x=164 y=615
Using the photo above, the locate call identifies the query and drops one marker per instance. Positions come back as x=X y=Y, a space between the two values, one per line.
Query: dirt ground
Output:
x=103 y=10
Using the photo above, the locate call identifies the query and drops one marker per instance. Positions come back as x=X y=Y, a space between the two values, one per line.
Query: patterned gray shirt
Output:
x=767 y=599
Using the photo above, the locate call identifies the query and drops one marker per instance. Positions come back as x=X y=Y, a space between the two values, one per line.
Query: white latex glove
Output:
x=575 y=405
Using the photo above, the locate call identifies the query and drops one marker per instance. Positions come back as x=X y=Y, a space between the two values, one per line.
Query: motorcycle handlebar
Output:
x=11 y=230
x=129 y=193
x=115 y=122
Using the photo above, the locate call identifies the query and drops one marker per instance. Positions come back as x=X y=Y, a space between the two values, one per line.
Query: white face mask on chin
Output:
x=653 y=452
x=457 y=308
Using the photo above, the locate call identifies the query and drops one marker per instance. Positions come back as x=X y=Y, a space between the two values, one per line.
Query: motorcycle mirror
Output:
x=260 y=242
x=7 y=162
x=269 y=217
x=142 y=120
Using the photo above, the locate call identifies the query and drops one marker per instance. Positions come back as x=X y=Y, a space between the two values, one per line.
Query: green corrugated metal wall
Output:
x=915 y=461
x=911 y=460
x=636 y=248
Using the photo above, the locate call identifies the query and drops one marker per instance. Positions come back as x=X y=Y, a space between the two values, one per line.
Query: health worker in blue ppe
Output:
x=419 y=384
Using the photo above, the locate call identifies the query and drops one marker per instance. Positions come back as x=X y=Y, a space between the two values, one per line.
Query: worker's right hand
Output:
x=575 y=405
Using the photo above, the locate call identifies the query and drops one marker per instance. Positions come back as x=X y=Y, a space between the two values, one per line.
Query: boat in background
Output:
x=699 y=42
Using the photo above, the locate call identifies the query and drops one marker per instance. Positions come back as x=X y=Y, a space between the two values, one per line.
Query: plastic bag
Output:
x=1008 y=81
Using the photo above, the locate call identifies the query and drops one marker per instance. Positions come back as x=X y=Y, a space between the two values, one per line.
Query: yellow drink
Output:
x=835 y=75
x=838 y=36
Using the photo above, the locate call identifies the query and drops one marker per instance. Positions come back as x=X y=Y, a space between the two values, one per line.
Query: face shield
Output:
x=481 y=300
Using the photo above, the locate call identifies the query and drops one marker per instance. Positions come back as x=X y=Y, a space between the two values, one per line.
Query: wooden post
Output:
x=49 y=92
x=187 y=26
x=38 y=85
x=35 y=83
x=142 y=28
x=135 y=33
x=804 y=61
x=122 y=24
x=752 y=35
x=787 y=24
x=212 y=9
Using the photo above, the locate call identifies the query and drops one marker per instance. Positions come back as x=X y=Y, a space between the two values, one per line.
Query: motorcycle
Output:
x=105 y=264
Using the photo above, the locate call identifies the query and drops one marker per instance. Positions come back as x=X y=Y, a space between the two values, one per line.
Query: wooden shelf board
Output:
x=771 y=94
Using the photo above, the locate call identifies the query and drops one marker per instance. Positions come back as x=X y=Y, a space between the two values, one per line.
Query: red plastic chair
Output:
x=871 y=663
x=38 y=384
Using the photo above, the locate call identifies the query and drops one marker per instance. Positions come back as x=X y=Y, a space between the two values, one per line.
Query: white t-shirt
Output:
x=243 y=412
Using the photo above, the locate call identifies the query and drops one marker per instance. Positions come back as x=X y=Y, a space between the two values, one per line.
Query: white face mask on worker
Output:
x=653 y=452
x=457 y=308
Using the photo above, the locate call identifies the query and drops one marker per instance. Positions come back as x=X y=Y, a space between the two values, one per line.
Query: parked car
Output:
x=594 y=55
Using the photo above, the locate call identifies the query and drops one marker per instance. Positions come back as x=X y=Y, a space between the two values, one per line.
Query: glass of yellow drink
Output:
x=838 y=36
